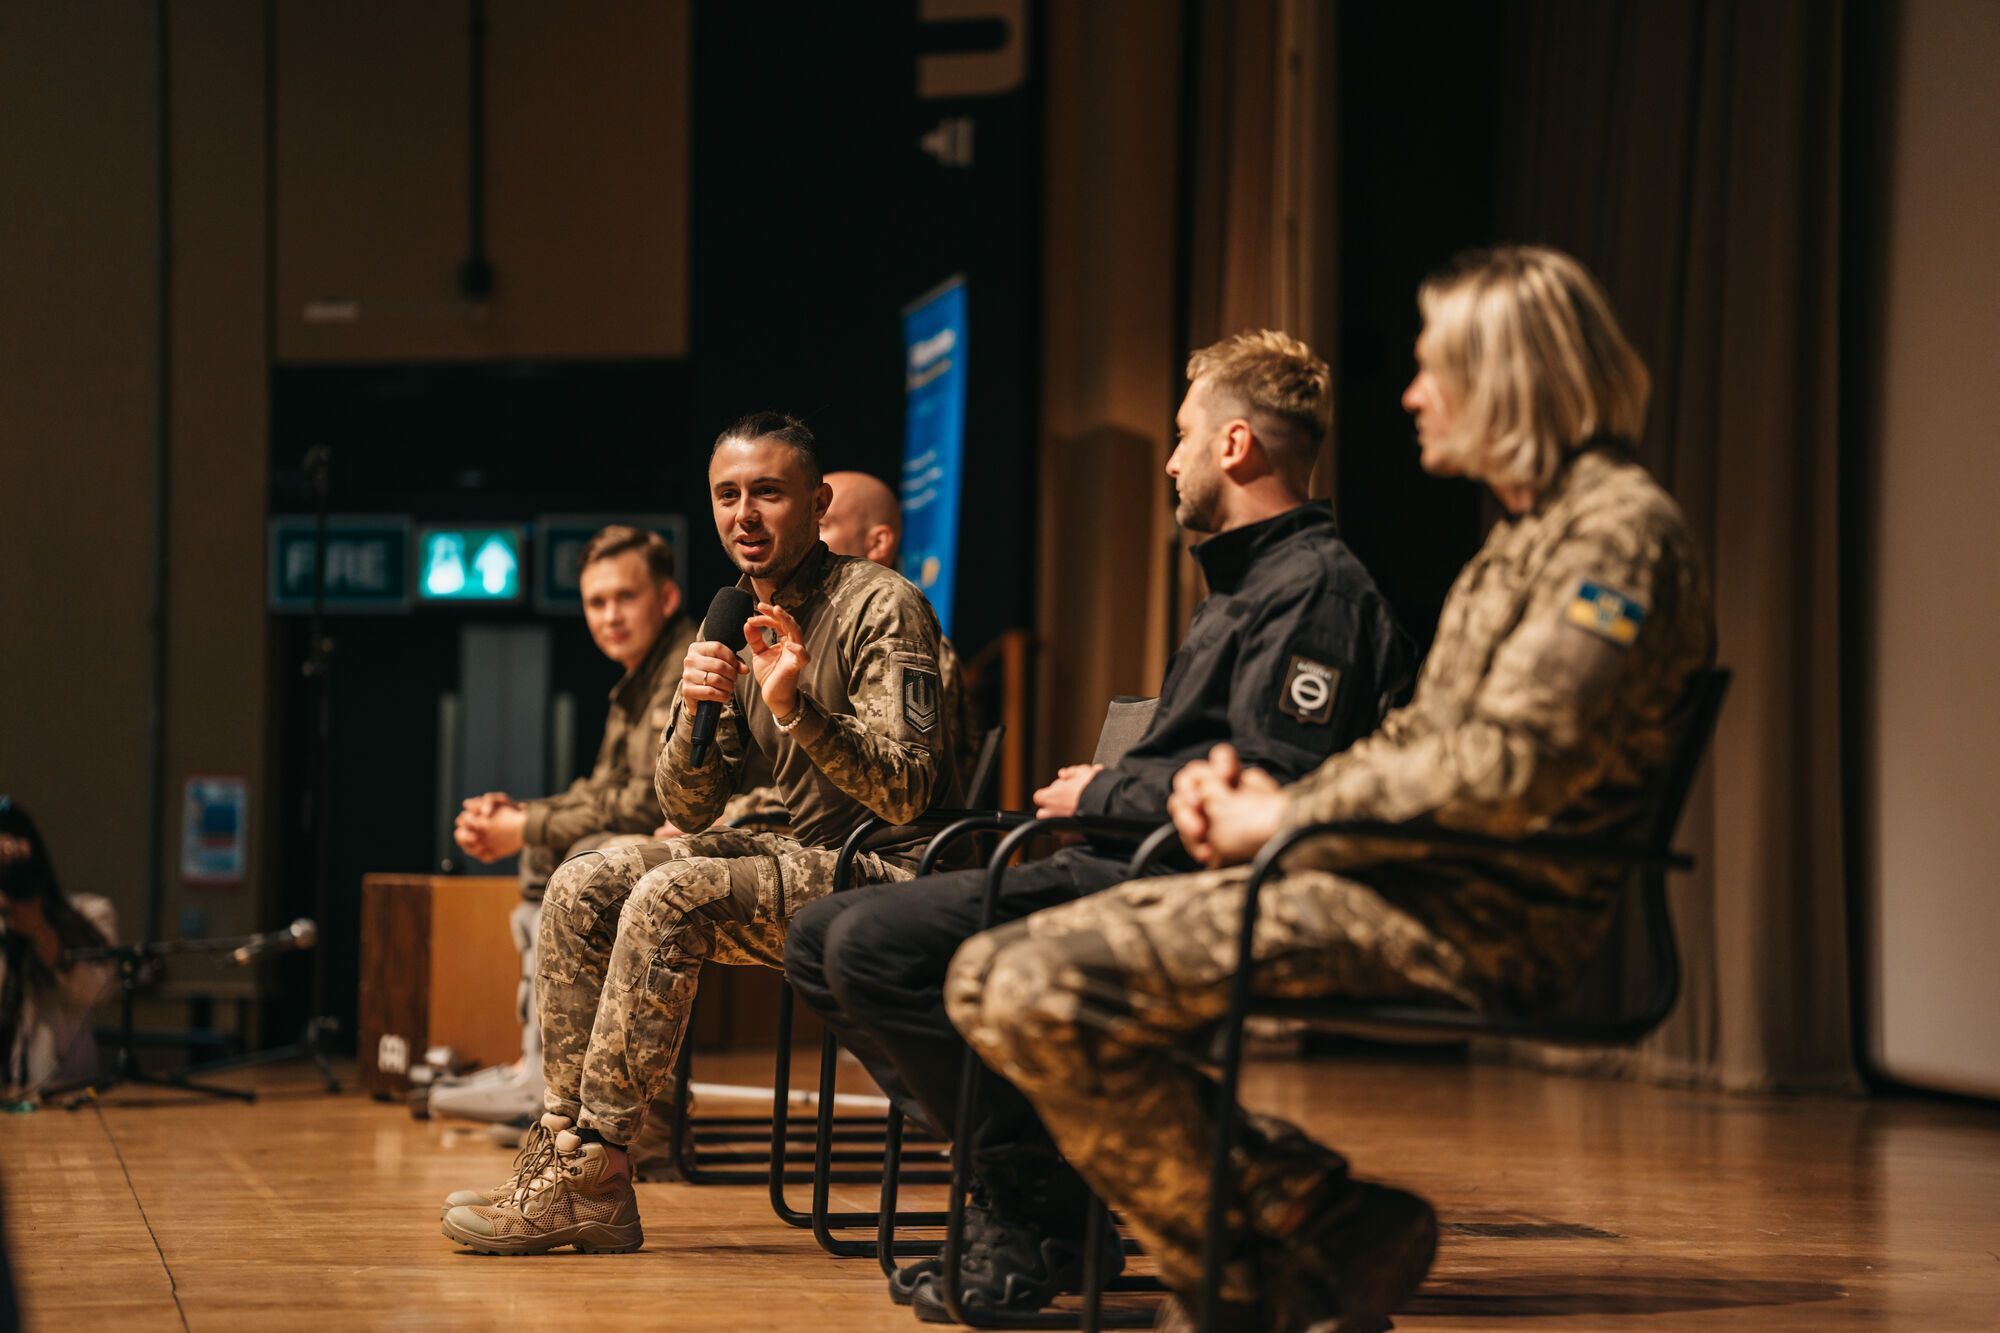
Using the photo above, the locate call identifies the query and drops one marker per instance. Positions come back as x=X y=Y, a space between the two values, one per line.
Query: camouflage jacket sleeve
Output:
x=1545 y=721
x=618 y=795
x=889 y=753
x=551 y=820
x=694 y=798
x=612 y=807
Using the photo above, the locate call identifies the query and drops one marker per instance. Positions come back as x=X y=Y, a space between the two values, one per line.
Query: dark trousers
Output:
x=872 y=961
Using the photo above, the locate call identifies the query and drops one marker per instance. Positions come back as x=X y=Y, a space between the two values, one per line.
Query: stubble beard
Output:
x=1195 y=510
x=783 y=559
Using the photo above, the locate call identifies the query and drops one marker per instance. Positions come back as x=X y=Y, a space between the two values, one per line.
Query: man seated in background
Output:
x=632 y=607
x=866 y=519
x=840 y=693
x=1293 y=655
x=1549 y=704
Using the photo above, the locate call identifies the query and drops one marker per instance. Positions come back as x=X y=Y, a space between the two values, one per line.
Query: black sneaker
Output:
x=903 y=1282
x=1351 y=1264
x=1009 y=1263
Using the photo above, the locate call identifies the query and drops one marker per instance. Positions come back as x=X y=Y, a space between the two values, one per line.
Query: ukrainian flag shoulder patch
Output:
x=1606 y=612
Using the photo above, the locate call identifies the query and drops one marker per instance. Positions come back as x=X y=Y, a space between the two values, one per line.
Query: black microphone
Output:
x=724 y=625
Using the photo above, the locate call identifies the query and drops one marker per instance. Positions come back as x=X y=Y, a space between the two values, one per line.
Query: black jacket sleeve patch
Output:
x=1309 y=690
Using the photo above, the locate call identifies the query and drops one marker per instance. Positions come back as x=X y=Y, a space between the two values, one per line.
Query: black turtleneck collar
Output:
x=1226 y=557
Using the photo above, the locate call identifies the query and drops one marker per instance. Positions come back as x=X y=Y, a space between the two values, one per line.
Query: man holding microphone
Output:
x=839 y=690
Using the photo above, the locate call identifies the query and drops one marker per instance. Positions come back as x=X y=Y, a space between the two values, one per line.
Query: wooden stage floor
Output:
x=1568 y=1202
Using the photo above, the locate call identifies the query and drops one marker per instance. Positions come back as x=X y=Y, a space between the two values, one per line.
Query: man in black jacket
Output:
x=1293 y=656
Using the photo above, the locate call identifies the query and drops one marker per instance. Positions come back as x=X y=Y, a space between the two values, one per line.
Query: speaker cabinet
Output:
x=438 y=968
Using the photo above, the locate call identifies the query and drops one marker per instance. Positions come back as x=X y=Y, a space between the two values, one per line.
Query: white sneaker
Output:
x=516 y=1095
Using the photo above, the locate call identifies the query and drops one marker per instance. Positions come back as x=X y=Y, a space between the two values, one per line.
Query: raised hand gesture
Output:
x=778 y=662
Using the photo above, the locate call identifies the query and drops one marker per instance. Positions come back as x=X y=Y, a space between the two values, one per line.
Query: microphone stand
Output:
x=318 y=671
x=131 y=960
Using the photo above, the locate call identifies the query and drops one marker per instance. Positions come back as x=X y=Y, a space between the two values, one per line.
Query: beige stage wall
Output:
x=365 y=159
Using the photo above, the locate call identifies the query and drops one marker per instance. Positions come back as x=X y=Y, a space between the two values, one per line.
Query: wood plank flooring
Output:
x=1572 y=1202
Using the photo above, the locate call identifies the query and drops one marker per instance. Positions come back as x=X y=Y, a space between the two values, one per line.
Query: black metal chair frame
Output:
x=1649 y=861
x=871 y=835
x=766 y=1131
x=1019 y=829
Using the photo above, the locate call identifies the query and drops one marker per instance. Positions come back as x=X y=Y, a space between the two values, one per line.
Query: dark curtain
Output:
x=1689 y=154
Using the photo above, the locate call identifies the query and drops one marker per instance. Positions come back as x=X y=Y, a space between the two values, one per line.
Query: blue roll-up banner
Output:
x=933 y=441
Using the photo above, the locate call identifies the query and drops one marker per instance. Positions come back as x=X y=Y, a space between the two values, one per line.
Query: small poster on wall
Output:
x=214 y=826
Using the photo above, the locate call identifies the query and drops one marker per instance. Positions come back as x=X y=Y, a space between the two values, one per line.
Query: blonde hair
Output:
x=1282 y=382
x=1532 y=357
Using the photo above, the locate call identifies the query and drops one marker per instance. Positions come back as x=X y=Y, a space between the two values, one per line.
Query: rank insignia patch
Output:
x=1309 y=690
x=1606 y=612
x=920 y=700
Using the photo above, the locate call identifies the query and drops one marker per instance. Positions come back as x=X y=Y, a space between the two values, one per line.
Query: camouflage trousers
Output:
x=624 y=934
x=525 y=922
x=536 y=864
x=1091 y=1008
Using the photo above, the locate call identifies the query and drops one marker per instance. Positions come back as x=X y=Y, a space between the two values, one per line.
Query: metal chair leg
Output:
x=1221 y=1180
x=824 y=1220
x=885 y=1214
x=781 y=1092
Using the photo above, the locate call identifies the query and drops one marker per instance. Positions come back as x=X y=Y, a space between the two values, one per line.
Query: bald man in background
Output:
x=866 y=519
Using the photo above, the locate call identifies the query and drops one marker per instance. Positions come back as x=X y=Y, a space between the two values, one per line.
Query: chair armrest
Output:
x=1592 y=851
x=876 y=834
x=1157 y=842
x=1018 y=835
x=1548 y=847
x=952 y=826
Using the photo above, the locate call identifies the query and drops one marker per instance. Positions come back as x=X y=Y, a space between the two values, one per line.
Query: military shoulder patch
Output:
x=920 y=699
x=1309 y=690
x=1605 y=612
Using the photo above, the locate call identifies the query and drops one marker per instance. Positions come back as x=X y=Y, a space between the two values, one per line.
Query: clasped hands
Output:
x=490 y=826
x=709 y=673
x=1224 y=810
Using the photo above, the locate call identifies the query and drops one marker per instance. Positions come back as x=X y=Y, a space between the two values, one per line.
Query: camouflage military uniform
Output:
x=1549 y=703
x=966 y=737
x=616 y=796
x=624 y=933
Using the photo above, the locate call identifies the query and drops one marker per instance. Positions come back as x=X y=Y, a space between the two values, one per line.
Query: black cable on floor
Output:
x=172 y=1286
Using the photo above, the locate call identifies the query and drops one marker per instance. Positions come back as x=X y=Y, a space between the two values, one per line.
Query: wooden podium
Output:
x=438 y=968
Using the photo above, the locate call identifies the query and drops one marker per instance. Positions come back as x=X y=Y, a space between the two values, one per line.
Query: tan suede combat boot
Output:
x=581 y=1196
x=528 y=1162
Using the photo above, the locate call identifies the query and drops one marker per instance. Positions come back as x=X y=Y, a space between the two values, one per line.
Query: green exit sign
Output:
x=469 y=564
x=367 y=562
